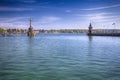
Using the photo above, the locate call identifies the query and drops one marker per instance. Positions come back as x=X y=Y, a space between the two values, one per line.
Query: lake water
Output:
x=60 y=57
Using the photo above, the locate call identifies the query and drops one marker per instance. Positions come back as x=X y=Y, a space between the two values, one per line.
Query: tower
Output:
x=30 y=23
x=90 y=29
x=30 y=30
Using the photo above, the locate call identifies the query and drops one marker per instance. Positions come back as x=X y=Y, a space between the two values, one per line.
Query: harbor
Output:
x=59 y=39
x=30 y=32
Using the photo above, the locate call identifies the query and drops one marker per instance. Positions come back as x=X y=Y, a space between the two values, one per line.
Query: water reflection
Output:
x=90 y=48
x=90 y=38
x=30 y=45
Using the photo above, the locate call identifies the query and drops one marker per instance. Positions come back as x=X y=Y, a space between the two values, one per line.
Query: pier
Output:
x=102 y=32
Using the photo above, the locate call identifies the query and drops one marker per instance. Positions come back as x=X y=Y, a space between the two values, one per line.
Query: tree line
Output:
x=2 y=30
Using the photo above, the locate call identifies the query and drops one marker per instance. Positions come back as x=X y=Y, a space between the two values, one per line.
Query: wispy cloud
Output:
x=104 y=7
x=13 y=22
x=13 y=19
x=49 y=19
x=95 y=14
x=100 y=17
x=29 y=1
x=20 y=22
x=14 y=9
x=68 y=11
x=14 y=25
x=44 y=3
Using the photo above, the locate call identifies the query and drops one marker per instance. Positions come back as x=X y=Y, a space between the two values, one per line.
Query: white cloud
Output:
x=44 y=3
x=29 y=1
x=14 y=9
x=14 y=25
x=96 y=15
x=100 y=17
x=68 y=11
x=20 y=22
x=14 y=22
x=104 y=7
x=49 y=19
x=12 y=19
x=99 y=20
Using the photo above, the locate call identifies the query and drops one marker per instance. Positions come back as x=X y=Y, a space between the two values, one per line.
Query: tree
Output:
x=1 y=30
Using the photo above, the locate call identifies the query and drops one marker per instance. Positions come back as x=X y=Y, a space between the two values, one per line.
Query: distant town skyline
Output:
x=60 y=14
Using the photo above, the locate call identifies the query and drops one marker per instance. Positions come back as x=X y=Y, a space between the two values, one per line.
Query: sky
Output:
x=60 y=14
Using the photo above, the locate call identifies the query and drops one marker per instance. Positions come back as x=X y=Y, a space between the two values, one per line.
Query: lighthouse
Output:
x=90 y=29
x=30 y=29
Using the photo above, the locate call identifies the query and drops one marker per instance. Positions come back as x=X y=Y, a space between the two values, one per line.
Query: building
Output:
x=90 y=29
x=31 y=32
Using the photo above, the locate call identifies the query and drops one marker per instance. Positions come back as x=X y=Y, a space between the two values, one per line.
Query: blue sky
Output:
x=60 y=14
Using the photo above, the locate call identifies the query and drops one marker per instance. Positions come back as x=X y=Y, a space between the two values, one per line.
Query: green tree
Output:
x=1 y=30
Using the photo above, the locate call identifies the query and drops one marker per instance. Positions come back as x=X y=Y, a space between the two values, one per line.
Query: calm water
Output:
x=60 y=57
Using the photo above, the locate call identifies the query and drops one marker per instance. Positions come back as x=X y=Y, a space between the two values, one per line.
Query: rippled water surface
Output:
x=60 y=57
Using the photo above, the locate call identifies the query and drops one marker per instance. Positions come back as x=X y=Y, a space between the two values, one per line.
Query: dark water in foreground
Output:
x=60 y=57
